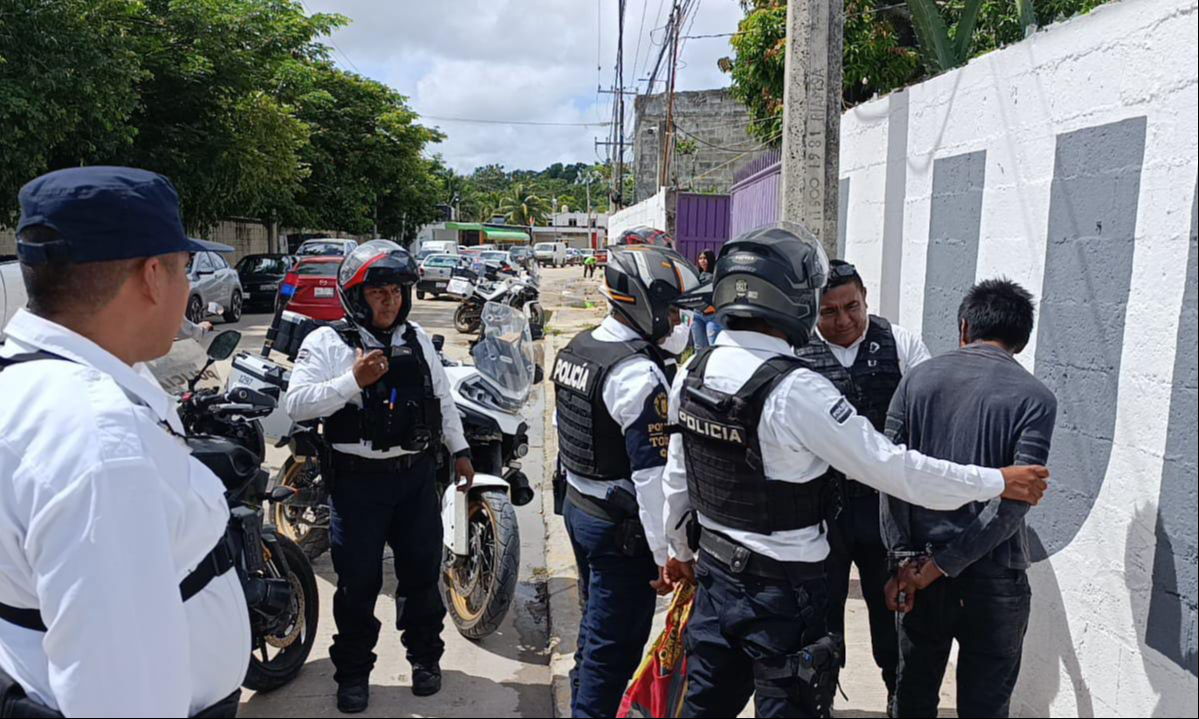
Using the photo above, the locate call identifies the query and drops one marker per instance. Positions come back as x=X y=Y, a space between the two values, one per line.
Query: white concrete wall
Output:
x=1069 y=163
x=651 y=213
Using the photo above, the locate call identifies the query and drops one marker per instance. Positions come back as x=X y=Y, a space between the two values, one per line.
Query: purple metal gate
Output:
x=702 y=223
x=756 y=198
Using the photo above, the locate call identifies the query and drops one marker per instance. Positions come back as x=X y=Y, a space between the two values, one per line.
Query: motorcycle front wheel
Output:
x=278 y=659
x=467 y=318
x=304 y=519
x=478 y=589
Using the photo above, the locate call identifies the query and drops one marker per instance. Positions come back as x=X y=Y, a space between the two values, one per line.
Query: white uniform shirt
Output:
x=103 y=513
x=911 y=349
x=323 y=383
x=807 y=425
x=630 y=394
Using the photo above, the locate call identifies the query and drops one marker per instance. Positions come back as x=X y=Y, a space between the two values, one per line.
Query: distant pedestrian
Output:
x=589 y=266
x=701 y=330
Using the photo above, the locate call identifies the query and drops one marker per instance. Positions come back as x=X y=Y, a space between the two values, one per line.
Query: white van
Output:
x=550 y=254
x=438 y=247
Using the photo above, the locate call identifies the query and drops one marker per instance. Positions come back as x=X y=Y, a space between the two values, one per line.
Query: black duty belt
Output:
x=597 y=508
x=352 y=463
x=857 y=490
x=219 y=562
x=15 y=703
x=740 y=561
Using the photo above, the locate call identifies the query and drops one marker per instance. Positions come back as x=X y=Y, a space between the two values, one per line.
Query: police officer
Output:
x=104 y=509
x=865 y=357
x=379 y=385
x=759 y=432
x=612 y=387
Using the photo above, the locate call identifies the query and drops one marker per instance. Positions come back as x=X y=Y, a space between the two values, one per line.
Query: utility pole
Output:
x=676 y=26
x=620 y=107
x=812 y=117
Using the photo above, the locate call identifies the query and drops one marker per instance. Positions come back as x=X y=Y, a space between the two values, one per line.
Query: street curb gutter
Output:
x=565 y=615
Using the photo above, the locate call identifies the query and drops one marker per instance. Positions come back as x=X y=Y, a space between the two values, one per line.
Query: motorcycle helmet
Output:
x=379 y=263
x=776 y=274
x=642 y=284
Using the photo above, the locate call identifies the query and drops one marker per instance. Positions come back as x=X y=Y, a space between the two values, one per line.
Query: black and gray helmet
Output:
x=642 y=283
x=775 y=274
x=378 y=263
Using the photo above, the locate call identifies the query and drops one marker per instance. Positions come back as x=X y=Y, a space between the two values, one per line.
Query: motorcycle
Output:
x=482 y=539
x=523 y=294
x=225 y=434
x=482 y=536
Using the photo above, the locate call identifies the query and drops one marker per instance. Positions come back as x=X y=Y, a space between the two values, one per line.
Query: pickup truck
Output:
x=173 y=371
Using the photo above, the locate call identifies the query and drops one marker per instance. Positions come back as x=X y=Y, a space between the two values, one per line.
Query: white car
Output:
x=326 y=248
x=173 y=371
x=550 y=254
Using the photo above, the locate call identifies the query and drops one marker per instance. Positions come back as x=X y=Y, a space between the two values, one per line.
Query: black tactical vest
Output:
x=872 y=381
x=401 y=410
x=590 y=443
x=726 y=477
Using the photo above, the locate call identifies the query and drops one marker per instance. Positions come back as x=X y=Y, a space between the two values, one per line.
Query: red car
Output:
x=315 y=280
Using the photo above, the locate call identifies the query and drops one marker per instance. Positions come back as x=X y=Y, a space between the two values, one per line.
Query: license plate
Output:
x=324 y=292
x=441 y=285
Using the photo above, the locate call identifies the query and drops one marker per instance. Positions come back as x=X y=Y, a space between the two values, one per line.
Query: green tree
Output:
x=521 y=207
x=366 y=157
x=882 y=49
x=69 y=78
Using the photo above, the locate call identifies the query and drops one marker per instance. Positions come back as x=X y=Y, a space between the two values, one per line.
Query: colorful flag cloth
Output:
x=660 y=686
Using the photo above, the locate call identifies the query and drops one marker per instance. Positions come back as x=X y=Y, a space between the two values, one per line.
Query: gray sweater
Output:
x=977 y=406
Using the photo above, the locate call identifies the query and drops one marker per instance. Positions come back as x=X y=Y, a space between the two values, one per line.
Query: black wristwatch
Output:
x=464 y=454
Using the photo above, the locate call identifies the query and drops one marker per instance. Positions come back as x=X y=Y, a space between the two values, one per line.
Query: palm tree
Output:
x=521 y=207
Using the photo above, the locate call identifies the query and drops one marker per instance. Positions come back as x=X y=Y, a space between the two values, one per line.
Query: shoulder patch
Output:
x=662 y=404
x=842 y=412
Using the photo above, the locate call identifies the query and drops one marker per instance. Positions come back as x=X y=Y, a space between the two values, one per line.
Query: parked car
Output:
x=213 y=281
x=601 y=256
x=12 y=293
x=435 y=275
x=503 y=260
x=315 y=280
x=575 y=257
x=522 y=256
x=260 y=277
x=173 y=371
x=550 y=254
x=327 y=248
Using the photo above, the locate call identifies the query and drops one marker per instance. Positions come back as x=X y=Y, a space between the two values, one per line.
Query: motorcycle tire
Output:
x=479 y=590
x=267 y=674
x=467 y=320
x=313 y=540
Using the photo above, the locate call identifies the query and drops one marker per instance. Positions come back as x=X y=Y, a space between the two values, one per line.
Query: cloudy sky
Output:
x=519 y=60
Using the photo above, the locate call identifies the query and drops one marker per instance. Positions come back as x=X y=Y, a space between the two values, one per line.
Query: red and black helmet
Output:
x=379 y=263
x=645 y=236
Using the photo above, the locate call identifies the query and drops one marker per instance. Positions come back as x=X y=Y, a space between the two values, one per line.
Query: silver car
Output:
x=435 y=275
x=213 y=281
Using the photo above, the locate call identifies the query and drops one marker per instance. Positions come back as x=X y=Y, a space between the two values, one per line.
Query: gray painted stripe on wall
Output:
x=843 y=217
x=1088 y=276
x=953 y=237
x=1173 y=621
x=896 y=198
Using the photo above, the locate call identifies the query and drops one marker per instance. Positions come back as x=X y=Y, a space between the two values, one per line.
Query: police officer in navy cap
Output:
x=103 y=510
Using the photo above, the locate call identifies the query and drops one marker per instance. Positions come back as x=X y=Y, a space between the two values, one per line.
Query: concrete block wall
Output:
x=1069 y=163
x=718 y=124
x=8 y=242
x=654 y=212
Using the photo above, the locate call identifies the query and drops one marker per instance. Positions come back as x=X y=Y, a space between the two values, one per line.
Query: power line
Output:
x=520 y=123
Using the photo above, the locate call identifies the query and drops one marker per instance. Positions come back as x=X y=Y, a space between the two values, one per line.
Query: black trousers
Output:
x=856 y=538
x=986 y=611
x=372 y=511
x=743 y=630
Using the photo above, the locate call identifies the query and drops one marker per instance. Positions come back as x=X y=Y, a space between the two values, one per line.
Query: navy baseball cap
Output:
x=104 y=214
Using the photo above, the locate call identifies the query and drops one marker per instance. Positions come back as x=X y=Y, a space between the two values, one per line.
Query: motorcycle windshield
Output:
x=504 y=355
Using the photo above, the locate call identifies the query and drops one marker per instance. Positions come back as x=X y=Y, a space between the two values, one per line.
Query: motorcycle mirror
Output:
x=538 y=375
x=439 y=342
x=225 y=344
